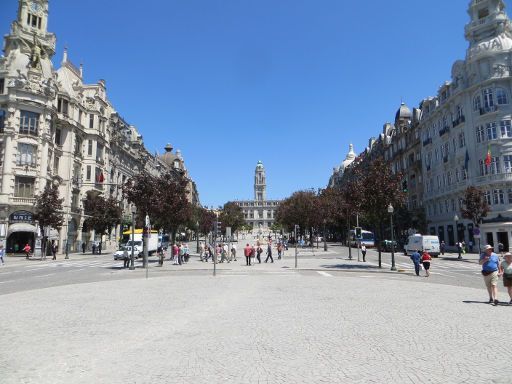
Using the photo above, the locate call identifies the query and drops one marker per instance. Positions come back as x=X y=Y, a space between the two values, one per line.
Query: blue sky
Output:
x=231 y=82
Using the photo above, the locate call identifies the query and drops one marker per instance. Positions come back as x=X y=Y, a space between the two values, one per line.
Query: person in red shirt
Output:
x=426 y=259
x=247 y=254
x=27 y=250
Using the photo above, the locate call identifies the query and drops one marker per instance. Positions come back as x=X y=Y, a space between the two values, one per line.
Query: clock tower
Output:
x=29 y=33
x=260 y=183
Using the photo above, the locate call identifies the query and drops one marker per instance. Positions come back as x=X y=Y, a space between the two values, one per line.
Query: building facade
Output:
x=259 y=213
x=441 y=146
x=57 y=130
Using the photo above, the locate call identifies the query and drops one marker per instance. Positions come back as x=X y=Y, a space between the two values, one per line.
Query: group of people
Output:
x=424 y=259
x=493 y=269
x=222 y=252
x=255 y=251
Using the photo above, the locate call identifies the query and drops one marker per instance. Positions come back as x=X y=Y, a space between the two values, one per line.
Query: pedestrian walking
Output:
x=161 y=256
x=126 y=258
x=506 y=271
x=470 y=244
x=233 y=252
x=83 y=246
x=490 y=266
x=269 y=253
x=415 y=257
x=54 y=250
x=363 y=251
x=2 y=253
x=247 y=253
x=426 y=259
x=201 y=251
x=94 y=248
x=186 y=253
x=259 y=251
x=26 y=250
x=175 y=253
x=279 y=250
x=224 y=253
x=99 y=247
x=181 y=254
x=442 y=247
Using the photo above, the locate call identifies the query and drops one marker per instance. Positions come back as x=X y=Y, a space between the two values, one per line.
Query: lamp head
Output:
x=390 y=208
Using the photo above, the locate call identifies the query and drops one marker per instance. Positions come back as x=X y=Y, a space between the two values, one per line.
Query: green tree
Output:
x=474 y=205
x=103 y=214
x=301 y=208
x=48 y=210
x=173 y=209
x=232 y=216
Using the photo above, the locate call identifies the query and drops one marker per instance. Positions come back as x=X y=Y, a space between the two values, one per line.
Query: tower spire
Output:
x=260 y=183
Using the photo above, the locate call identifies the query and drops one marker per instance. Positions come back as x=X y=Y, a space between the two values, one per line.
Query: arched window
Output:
x=501 y=96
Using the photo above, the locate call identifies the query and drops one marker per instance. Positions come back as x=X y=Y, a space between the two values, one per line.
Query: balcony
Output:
x=486 y=110
x=427 y=141
x=22 y=200
x=460 y=120
x=444 y=131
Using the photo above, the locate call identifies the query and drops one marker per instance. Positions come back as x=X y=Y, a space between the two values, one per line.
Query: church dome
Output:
x=259 y=165
x=349 y=159
x=403 y=113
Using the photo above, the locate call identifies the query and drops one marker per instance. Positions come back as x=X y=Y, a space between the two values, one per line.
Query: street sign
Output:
x=476 y=233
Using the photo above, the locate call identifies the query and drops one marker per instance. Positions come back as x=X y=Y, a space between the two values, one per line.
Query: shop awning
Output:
x=21 y=227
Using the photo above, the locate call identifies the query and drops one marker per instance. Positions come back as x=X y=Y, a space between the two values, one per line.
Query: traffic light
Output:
x=404 y=186
x=217 y=227
x=359 y=233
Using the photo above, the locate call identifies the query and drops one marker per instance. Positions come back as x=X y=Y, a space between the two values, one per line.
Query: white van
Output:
x=422 y=243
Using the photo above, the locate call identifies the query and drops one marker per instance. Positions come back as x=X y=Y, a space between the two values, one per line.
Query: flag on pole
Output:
x=488 y=158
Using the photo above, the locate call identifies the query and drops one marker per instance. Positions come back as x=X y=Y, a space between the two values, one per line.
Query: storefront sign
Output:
x=21 y=217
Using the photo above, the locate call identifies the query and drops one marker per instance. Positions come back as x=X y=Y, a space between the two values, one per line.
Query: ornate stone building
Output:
x=55 y=128
x=259 y=213
x=452 y=132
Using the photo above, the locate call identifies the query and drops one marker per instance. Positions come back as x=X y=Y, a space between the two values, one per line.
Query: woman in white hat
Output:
x=490 y=266
x=506 y=271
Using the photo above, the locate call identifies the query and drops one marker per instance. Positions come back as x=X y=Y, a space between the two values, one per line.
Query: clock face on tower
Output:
x=35 y=7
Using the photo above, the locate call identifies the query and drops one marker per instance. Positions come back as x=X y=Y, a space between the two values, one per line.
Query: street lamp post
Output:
x=325 y=238
x=67 y=240
x=197 y=237
x=132 y=259
x=390 y=211
x=459 y=248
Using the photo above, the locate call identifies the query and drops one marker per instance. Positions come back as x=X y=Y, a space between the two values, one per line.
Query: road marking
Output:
x=324 y=273
x=50 y=274
x=6 y=281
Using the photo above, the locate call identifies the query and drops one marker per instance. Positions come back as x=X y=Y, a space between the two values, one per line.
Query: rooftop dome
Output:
x=351 y=156
x=403 y=113
x=259 y=165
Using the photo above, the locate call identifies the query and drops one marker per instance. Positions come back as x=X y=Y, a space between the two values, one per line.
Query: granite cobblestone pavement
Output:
x=254 y=329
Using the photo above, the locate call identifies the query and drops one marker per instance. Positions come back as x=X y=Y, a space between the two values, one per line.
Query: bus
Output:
x=368 y=239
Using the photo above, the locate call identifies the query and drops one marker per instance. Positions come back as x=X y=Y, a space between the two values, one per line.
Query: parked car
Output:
x=386 y=245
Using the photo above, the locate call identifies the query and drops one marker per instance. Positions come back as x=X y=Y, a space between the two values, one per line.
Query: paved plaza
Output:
x=264 y=325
